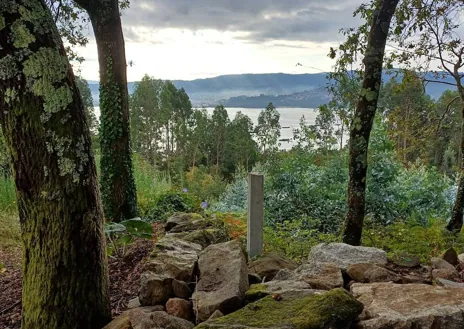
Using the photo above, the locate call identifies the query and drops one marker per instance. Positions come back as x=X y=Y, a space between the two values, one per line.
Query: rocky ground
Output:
x=195 y=277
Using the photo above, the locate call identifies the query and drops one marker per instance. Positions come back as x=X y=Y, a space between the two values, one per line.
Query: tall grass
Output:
x=9 y=223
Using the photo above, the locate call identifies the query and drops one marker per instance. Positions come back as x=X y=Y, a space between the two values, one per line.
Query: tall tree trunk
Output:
x=361 y=124
x=65 y=277
x=117 y=181
x=455 y=224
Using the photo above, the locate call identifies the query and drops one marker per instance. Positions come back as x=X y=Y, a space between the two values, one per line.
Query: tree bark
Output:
x=361 y=124
x=65 y=277
x=117 y=181
x=456 y=221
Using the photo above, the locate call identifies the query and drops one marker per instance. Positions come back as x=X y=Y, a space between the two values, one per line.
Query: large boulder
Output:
x=335 y=309
x=407 y=306
x=180 y=308
x=322 y=276
x=157 y=320
x=173 y=259
x=285 y=289
x=343 y=255
x=451 y=256
x=124 y=320
x=180 y=219
x=223 y=280
x=268 y=265
x=368 y=273
x=207 y=236
x=441 y=264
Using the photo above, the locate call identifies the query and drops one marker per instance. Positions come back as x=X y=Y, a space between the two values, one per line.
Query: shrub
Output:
x=425 y=241
x=206 y=185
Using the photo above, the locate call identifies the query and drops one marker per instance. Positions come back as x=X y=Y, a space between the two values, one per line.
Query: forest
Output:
x=84 y=199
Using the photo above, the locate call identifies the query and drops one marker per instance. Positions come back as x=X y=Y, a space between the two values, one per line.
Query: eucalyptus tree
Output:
x=369 y=40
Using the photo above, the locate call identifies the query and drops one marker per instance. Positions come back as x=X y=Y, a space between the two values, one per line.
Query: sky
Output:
x=191 y=39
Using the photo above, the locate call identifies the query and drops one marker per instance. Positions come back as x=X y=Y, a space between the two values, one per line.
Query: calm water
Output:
x=289 y=119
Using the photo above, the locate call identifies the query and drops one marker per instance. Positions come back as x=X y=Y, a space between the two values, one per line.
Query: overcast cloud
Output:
x=258 y=20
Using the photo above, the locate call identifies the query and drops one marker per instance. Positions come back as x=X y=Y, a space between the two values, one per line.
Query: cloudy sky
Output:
x=189 y=39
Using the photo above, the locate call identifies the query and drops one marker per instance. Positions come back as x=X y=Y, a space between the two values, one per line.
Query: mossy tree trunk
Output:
x=363 y=119
x=65 y=277
x=117 y=181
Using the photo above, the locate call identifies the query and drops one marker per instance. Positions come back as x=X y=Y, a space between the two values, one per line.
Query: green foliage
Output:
x=425 y=241
x=206 y=183
x=121 y=234
x=87 y=99
x=294 y=239
x=168 y=203
x=268 y=128
x=117 y=182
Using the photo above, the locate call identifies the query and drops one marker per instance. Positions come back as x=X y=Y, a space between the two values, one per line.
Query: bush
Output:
x=293 y=240
x=165 y=204
x=206 y=184
x=425 y=241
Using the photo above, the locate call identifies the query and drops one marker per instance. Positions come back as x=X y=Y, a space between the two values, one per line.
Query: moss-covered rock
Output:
x=286 y=289
x=335 y=309
x=207 y=237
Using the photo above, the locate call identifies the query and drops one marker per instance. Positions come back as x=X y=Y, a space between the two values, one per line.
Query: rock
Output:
x=343 y=255
x=405 y=279
x=223 y=280
x=216 y=315
x=439 y=264
x=120 y=322
x=335 y=309
x=451 y=256
x=155 y=289
x=123 y=321
x=445 y=273
x=254 y=278
x=406 y=260
x=181 y=289
x=268 y=265
x=180 y=219
x=173 y=259
x=157 y=320
x=368 y=273
x=449 y=284
x=284 y=275
x=285 y=289
x=133 y=303
x=407 y=306
x=207 y=237
x=461 y=258
x=180 y=308
x=320 y=275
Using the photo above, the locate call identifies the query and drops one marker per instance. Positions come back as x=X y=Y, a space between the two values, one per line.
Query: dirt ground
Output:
x=124 y=279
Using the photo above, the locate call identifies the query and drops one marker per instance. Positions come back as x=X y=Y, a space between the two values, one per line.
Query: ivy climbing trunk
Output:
x=65 y=277
x=363 y=118
x=117 y=181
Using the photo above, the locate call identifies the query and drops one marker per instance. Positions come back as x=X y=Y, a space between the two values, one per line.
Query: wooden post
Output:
x=255 y=214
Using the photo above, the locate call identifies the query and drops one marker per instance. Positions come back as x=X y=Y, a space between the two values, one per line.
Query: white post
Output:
x=255 y=214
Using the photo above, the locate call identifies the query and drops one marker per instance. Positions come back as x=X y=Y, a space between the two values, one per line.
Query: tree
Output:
x=241 y=150
x=219 y=124
x=146 y=118
x=426 y=32
x=410 y=113
x=268 y=128
x=199 y=137
x=65 y=277
x=117 y=181
x=87 y=99
x=361 y=124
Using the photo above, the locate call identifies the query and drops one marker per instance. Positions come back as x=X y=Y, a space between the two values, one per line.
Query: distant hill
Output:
x=256 y=90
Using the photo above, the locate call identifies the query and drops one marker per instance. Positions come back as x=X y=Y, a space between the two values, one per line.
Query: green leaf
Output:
x=137 y=226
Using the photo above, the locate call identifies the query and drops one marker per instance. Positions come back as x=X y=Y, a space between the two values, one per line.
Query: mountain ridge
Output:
x=254 y=89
